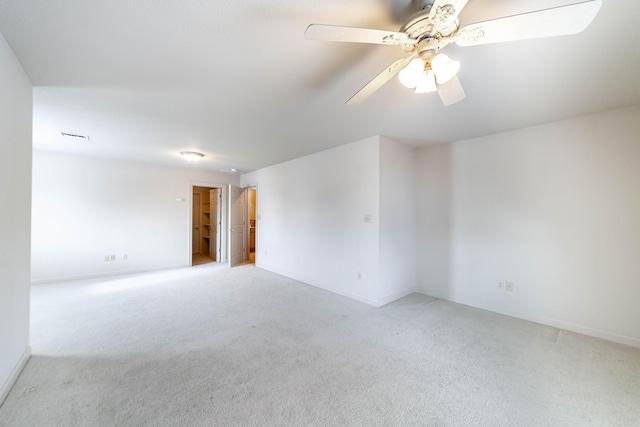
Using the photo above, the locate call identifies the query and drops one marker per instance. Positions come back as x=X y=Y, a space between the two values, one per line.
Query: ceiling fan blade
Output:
x=378 y=81
x=556 y=21
x=451 y=92
x=444 y=11
x=336 y=33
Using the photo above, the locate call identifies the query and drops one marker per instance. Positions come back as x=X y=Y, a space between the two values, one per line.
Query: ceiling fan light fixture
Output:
x=410 y=75
x=444 y=68
x=436 y=26
x=427 y=82
x=191 y=156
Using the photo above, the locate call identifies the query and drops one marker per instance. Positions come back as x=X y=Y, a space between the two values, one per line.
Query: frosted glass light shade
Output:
x=427 y=82
x=410 y=75
x=444 y=67
x=191 y=156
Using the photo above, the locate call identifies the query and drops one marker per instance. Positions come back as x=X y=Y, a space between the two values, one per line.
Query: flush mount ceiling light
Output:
x=435 y=26
x=191 y=156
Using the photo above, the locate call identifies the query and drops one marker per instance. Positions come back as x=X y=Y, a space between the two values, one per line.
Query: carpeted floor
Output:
x=213 y=346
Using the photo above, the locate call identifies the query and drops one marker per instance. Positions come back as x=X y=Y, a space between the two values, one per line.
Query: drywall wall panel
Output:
x=433 y=186
x=397 y=220
x=311 y=219
x=87 y=208
x=15 y=216
x=553 y=209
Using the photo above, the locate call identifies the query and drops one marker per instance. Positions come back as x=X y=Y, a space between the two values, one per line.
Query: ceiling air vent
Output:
x=75 y=136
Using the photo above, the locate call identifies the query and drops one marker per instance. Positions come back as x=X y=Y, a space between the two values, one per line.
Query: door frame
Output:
x=255 y=254
x=246 y=228
x=252 y=185
x=222 y=230
x=245 y=224
x=199 y=214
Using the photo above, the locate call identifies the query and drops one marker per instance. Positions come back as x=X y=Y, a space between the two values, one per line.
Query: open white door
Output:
x=196 y=245
x=237 y=226
x=214 y=244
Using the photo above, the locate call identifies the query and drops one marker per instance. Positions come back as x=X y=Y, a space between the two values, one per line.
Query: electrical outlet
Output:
x=112 y=257
x=499 y=285
x=106 y=257
x=508 y=286
x=367 y=218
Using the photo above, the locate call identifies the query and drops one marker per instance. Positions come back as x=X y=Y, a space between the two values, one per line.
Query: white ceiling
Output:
x=236 y=80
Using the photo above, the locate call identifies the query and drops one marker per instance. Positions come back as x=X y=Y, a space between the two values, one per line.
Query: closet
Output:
x=207 y=222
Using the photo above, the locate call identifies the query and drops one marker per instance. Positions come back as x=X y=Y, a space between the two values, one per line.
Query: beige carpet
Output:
x=212 y=346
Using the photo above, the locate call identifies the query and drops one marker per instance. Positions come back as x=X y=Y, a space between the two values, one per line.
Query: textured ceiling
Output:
x=237 y=81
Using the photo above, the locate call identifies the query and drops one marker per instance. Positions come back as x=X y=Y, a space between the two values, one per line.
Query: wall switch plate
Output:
x=367 y=218
x=508 y=286
x=112 y=257
x=106 y=257
x=125 y=257
x=499 y=285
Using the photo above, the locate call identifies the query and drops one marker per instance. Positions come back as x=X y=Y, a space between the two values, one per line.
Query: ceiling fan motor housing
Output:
x=427 y=48
x=424 y=26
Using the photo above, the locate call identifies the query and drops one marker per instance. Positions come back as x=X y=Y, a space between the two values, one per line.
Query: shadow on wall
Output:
x=434 y=184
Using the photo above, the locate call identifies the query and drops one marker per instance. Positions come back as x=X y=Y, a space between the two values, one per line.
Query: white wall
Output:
x=15 y=209
x=85 y=208
x=397 y=220
x=311 y=219
x=310 y=222
x=555 y=209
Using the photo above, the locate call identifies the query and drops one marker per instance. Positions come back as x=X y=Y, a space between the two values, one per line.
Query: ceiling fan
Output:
x=435 y=26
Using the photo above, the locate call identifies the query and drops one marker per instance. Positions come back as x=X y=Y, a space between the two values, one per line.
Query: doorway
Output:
x=243 y=225
x=206 y=225
x=224 y=224
x=252 y=224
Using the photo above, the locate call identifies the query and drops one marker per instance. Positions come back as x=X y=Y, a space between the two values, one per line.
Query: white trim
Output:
x=560 y=324
x=396 y=296
x=247 y=226
x=223 y=219
x=15 y=373
x=104 y=274
x=360 y=298
x=255 y=253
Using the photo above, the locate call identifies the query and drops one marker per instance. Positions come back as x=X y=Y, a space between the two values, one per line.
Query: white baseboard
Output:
x=13 y=376
x=306 y=281
x=394 y=297
x=54 y=279
x=361 y=298
x=560 y=324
